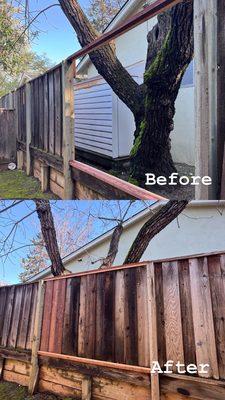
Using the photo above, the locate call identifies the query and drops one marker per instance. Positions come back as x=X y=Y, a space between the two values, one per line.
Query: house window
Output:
x=188 y=79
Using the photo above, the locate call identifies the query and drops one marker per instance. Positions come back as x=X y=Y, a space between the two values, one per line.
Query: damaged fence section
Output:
x=97 y=333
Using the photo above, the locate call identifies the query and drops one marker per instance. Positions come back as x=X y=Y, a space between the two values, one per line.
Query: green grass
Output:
x=17 y=185
x=11 y=391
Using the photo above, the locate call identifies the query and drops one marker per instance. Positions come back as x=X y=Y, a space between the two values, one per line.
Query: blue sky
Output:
x=77 y=212
x=56 y=36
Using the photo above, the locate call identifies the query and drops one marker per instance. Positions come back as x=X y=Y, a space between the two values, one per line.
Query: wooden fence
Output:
x=114 y=323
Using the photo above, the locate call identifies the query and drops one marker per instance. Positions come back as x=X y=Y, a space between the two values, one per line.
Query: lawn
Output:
x=17 y=185
x=11 y=391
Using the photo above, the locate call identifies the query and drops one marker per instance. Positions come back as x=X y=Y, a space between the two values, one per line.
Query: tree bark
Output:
x=170 y=50
x=49 y=234
x=167 y=60
x=113 y=248
x=152 y=227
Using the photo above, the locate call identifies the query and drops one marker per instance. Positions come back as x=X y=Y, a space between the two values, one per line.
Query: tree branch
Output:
x=152 y=227
x=104 y=59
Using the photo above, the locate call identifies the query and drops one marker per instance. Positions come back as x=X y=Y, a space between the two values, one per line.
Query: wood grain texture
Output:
x=71 y=317
x=172 y=310
x=119 y=317
x=46 y=323
x=205 y=341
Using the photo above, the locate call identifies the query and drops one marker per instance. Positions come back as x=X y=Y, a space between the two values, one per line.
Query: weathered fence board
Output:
x=17 y=308
x=46 y=112
x=7 y=135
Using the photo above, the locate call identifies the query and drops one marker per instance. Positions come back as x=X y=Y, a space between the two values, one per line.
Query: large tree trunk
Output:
x=166 y=64
x=152 y=227
x=49 y=234
x=170 y=50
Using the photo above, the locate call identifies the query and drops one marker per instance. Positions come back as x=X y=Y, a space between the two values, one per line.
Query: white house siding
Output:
x=200 y=229
x=93 y=118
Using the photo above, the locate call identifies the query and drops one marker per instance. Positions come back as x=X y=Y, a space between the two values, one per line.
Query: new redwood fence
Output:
x=107 y=315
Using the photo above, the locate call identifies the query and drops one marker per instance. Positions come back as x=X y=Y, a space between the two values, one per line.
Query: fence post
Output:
x=68 y=74
x=28 y=128
x=36 y=338
x=86 y=388
x=206 y=95
x=152 y=329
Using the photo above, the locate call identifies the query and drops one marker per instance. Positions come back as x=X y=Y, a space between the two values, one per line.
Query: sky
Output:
x=79 y=213
x=56 y=36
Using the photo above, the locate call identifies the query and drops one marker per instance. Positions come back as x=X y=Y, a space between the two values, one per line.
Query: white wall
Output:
x=200 y=230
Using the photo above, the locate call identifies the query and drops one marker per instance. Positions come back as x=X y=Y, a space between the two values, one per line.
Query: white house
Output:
x=104 y=126
x=199 y=229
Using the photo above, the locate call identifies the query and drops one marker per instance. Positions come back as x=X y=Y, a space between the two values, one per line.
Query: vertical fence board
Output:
x=142 y=318
x=173 y=325
x=131 y=334
x=3 y=305
x=86 y=336
x=25 y=316
x=41 y=113
x=105 y=317
x=216 y=266
x=15 y=317
x=32 y=316
x=47 y=316
x=160 y=314
x=151 y=330
x=58 y=111
x=119 y=316
x=46 y=113
x=51 y=113
x=71 y=317
x=186 y=313
x=8 y=315
x=202 y=316
x=61 y=295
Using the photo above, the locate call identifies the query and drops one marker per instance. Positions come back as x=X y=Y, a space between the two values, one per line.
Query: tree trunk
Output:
x=165 y=69
x=49 y=234
x=113 y=248
x=152 y=227
x=170 y=50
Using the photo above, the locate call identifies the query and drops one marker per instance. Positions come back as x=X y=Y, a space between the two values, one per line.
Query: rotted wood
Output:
x=24 y=356
x=51 y=160
x=134 y=378
x=20 y=145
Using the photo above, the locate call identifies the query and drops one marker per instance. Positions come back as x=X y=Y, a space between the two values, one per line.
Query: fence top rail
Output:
x=134 y=265
x=115 y=182
x=149 y=12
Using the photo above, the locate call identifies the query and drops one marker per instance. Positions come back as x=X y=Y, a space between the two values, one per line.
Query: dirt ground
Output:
x=11 y=391
x=17 y=185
